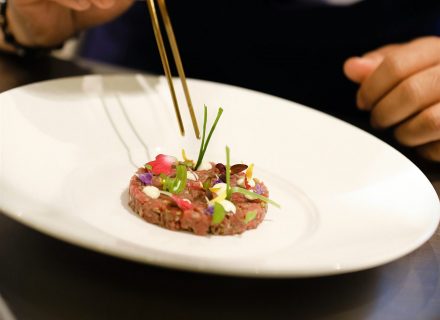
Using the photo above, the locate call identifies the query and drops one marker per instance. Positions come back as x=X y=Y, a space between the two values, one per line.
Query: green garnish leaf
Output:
x=168 y=184
x=207 y=184
x=250 y=215
x=255 y=195
x=148 y=167
x=180 y=180
x=175 y=185
x=228 y=174
x=219 y=213
x=188 y=163
x=204 y=144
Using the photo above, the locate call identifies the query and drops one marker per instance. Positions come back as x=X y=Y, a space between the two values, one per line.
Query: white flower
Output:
x=218 y=188
x=228 y=206
x=250 y=182
x=205 y=166
x=151 y=191
x=192 y=176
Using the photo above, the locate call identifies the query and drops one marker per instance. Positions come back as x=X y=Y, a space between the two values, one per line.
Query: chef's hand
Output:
x=400 y=85
x=50 y=22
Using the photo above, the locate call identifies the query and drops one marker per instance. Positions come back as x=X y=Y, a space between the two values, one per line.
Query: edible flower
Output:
x=259 y=188
x=220 y=197
x=210 y=210
x=228 y=206
x=151 y=191
x=146 y=178
x=250 y=171
x=162 y=164
x=248 y=180
x=218 y=180
x=218 y=188
x=192 y=176
x=183 y=204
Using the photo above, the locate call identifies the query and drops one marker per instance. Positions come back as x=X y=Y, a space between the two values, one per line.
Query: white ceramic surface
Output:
x=69 y=147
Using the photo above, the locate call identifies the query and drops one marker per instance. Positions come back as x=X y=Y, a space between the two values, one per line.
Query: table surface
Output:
x=45 y=278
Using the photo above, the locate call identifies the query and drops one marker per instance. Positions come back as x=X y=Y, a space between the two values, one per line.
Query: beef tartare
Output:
x=196 y=207
x=203 y=198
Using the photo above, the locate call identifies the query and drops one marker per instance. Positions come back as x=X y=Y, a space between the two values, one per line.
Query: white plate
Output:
x=70 y=146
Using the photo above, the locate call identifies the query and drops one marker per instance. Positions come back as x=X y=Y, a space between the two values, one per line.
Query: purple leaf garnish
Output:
x=221 y=167
x=237 y=168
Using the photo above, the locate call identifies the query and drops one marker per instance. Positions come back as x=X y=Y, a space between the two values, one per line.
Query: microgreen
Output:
x=204 y=144
x=219 y=213
x=148 y=167
x=250 y=215
x=207 y=184
x=228 y=174
x=254 y=195
x=175 y=185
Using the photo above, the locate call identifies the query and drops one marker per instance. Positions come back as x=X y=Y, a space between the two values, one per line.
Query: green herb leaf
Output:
x=250 y=215
x=168 y=184
x=180 y=180
x=148 y=167
x=204 y=144
x=228 y=174
x=255 y=195
x=188 y=163
x=175 y=185
x=207 y=184
x=219 y=213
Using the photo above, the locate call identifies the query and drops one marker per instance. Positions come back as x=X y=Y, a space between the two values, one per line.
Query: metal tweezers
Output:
x=178 y=62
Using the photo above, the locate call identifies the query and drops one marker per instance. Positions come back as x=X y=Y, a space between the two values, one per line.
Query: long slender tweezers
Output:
x=177 y=61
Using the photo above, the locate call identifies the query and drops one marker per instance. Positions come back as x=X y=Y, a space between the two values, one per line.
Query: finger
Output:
x=95 y=16
x=103 y=4
x=421 y=129
x=357 y=69
x=78 y=5
x=396 y=66
x=409 y=97
x=430 y=151
x=380 y=53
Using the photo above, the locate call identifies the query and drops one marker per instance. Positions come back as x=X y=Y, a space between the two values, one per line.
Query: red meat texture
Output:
x=165 y=212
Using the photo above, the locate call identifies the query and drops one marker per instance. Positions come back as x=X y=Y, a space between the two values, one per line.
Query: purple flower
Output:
x=210 y=210
x=217 y=181
x=259 y=189
x=146 y=178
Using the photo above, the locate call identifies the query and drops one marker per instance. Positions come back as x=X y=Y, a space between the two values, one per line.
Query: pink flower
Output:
x=183 y=204
x=162 y=164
